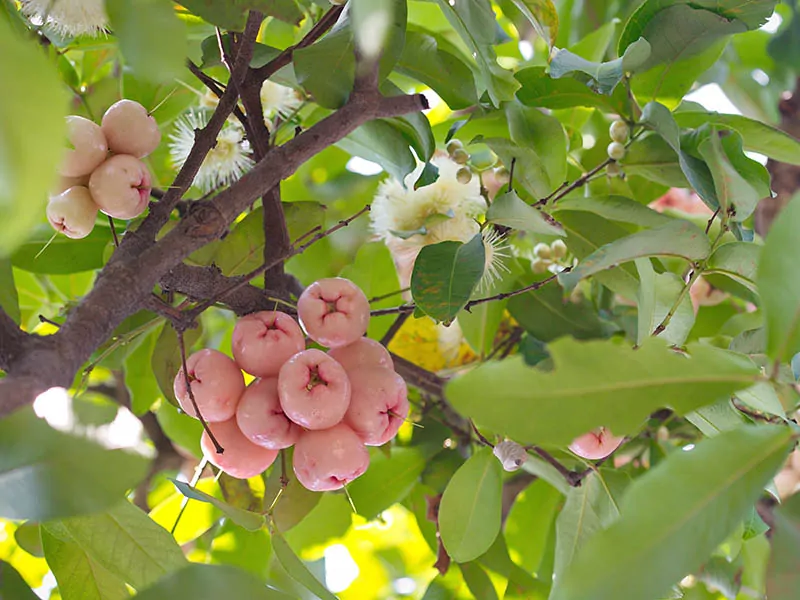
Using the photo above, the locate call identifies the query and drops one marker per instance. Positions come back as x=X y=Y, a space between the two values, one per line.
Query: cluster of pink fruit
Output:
x=328 y=405
x=118 y=185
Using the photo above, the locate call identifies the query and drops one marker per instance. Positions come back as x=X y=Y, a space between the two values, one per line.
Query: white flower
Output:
x=68 y=17
x=511 y=454
x=224 y=164
x=495 y=249
x=277 y=99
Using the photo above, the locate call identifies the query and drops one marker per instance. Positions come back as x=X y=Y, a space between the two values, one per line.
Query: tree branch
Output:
x=11 y=338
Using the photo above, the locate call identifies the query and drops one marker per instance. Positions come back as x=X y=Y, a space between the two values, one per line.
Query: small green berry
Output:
x=616 y=150
x=559 y=249
x=464 y=175
x=613 y=170
x=619 y=131
x=454 y=145
x=542 y=251
x=539 y=266
x=460 y=156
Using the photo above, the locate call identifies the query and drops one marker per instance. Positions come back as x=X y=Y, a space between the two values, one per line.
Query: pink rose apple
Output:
x=261 y=418
x=241 y=457
x=334 y=312
x=314 y=389
x=329 y=459
x=263 y=341
x=72 y=212
x=364 y=352
x=217 y=384
x=121 y=186
x=89 y=147
x=596 y=444
x=378 y=404
x=130 y=130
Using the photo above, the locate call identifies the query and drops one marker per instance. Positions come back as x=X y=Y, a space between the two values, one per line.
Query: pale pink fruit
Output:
x=378 y=404
x=64 y=183
x=130 y=130
x=364 y=352
x=596 y=444
x=217 y=384
x=795 y=460
x=72 y=212
x=786 y=482
x=241 y=457
x=261 y=418
x=334 y=312
x=89 y=147
x=329 y=459
x=121 y=186
x=263 y=341
x=314 y=389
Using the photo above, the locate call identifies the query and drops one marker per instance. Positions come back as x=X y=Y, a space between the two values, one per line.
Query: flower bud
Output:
x=616 y=151
x=542 y=251
x=460 y=156
x=464 y=175
x=559 y=249
x=619 y=131
x=454 y=145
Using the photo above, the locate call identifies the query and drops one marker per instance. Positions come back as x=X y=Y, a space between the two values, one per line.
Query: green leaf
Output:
x=32 y=133
x=594 y=45
x=529 y=169
x=595 y=383
x=126 y=542
x=528 y=523
x=590 y=508
x=445 y=274
x=210 y=582
x=542 y=15
x=381 y=142
x=12 y=585
x=737 y=260
x=429 y=175
x=445 y=73
x=469 y=513
x=478 y=581
x=511 y=211
x=474 y=21
x=166 y=358
x=539 y=89
x=779 y=284
x=388 y=480
x=232 y=14
x=247 y=550
x=78 y=576
x=244 y=518
x=614 y=208
x=61 y=256
x=151 y=37
x=678 y=238
x=139 y=378
x=48 y=474
x=783 y=578
x=674 y=516
x=295 y=567
x=657 y=295
x=295 y=503
x=756 y=136
x=532 y=129
x=9 y=298
x=602 y=77
x=652 y=158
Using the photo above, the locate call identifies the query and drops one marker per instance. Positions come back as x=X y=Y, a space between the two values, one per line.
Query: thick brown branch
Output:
x=11 y=340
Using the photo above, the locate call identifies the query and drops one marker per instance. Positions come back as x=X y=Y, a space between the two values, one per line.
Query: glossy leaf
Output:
x=783 y=579
x=244 y=518
x=652 y=158
x=539 y=89
x=678 y=238
x=595 y=383
x=469 y=513
x=530 y=172
x=381 y=142
x=478 y=581
x=139 y=377
x=12 y=585
x=31 y=136
x=210 y=582
x=510 y=210
x=232 y=14
x=296 y=569
x=445 y=275
x=151 y=37
x=614 y=208
x=61 y=255
x=778 y=285
x=126 y=542
x=528 y=523
x=657 y=295
x=737 y=260
x=532 y=129
x=48 y=474
x=247 y=550
x=602 y=77
x=674 y=516
x=542 y=15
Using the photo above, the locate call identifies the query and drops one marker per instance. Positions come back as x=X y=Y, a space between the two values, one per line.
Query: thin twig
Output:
x=188 y=381
x=511 y=175
x=565 y=472
x=394 y=328
x=711 y=220
x=44 y=319
x=217 y=89
x=481 y=437
x=577 y=183
x=389 y=295
x=113 y=231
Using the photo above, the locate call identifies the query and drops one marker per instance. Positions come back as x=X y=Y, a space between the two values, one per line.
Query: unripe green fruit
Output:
x=539 y=266
x=613 y=170
x=616 y=151
x=559 y=249
x=542 y=251
x=619 y=131
x=454 y=145
x=460 y=156
x=464 y=175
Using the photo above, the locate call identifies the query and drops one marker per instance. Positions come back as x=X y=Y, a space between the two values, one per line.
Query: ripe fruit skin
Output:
x=64 y=183
x=596 y=444
x=334 y=312
x=378 y=404
x=619 y=131
x=72 y=212
x=130 y=130
x=616 y=150
x=241 y=458
x=261 y=418
x=263 y=341
x=329 y=459
x=89 y=147
x=313 y=389
x=217 y=384
x=121 y=186
x=364 y=352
